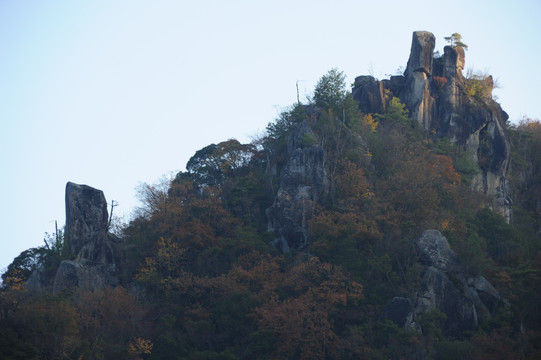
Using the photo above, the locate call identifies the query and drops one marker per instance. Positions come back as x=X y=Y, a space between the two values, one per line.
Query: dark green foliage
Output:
x=396 y=113
x=466 y=166
x=44 y=258
x=352 y=114
x=502 y=240
x=390 y=139
x=212 y=164
x=308 y=140
x=210 y=355
x=453 y=349
x=330 y=91
x=275 y=142
x=463 y=160
x=471 y=249
x=232 y=317
x=205 y=164
x=456 y=40
x=438 y=346
x=261 y=344
x=432 y=323
x=279 y=130
x=13 y=347
x=526 y=173
x=392 y=342
x=199 y=280
x=23 y=265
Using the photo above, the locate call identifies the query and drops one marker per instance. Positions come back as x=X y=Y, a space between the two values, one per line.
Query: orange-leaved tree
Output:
x=302 y=309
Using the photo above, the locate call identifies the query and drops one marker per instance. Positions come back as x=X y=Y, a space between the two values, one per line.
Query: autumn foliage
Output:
x=199 y=280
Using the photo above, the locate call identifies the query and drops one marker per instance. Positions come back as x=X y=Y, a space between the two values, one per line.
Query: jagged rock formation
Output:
x=302 y=182
x=444 y=288
x=87 y=239
x=446 y=104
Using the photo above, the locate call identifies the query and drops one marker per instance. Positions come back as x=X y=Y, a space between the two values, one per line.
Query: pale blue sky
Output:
x=114 y=93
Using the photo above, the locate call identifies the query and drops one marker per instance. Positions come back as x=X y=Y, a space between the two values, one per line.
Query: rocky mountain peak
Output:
x=445 y=104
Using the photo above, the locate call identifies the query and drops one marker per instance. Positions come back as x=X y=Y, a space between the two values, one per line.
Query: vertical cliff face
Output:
x=447 y=105
x=416 y=91
x=443 y=104
x=86 y=220
x=88 y=241
x=302 y=183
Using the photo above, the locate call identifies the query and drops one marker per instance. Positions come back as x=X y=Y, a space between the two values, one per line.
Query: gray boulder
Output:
x=436 y=252
x=484 y=295
x=76 y=273
x=445 y=293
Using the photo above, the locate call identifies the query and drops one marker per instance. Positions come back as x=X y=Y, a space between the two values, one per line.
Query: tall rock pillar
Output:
x=416 y=92
x=87 y=239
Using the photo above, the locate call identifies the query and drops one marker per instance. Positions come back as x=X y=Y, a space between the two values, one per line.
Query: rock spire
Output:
x=87 y=238
x=445 y=104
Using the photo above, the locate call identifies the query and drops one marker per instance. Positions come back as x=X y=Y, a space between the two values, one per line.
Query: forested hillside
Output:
x=356 y=227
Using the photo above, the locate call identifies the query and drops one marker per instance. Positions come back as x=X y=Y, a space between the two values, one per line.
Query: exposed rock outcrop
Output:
x=445 y=288
x=445 y=104
x=302 y=182
x=370 y=93
x=86 y=218
x=422 y=52
x=436 y=252
x=88 y=241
